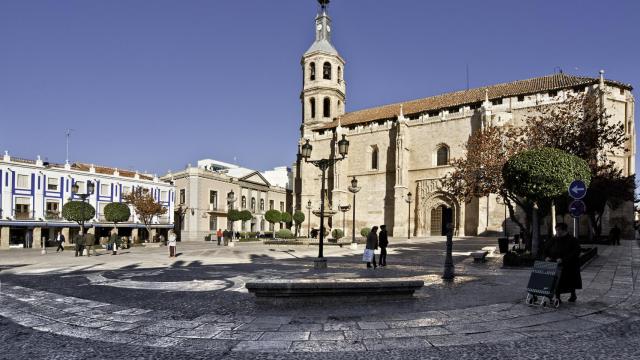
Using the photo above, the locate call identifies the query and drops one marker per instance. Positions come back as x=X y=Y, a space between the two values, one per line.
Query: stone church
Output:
x=406 y=147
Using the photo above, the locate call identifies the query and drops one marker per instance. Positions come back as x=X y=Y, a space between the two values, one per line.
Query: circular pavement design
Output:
x=611 y=295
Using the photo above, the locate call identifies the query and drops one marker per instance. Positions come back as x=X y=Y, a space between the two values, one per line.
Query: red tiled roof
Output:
x=108 y=171
x=471 y=96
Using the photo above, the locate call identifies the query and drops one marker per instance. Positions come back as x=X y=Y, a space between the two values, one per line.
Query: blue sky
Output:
x=154 y=85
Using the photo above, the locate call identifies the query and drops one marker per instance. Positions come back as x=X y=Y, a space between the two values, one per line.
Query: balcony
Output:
x=214 y=208
x=164 y=220
x=23 y=215
x=53 y=215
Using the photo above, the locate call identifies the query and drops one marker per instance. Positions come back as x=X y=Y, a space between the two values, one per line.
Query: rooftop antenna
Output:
x=557 y=70
x=68 y=133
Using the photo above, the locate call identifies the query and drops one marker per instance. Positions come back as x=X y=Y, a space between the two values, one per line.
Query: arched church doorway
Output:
x=440 y=217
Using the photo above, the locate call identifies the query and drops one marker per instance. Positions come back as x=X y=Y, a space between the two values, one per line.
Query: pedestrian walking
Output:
x=89 y=241
x=372 y=244
x=565 y=250
x=614 y=235
x=114 y=241
x=219 y=236
x=78 y=242
x=383 y=242
x=60 y=241
x=172 y=243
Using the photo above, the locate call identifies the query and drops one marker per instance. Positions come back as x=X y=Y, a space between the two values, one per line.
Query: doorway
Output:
x=440 y=217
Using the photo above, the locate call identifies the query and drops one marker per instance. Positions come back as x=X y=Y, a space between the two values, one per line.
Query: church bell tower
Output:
x=323 y=92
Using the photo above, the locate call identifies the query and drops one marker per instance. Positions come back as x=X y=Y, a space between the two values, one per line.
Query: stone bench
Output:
x=479 y=256
x=328 y=287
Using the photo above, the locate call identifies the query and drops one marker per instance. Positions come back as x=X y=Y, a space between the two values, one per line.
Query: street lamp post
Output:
x=409 y=199
x=231 y=198
x=75 y=189
x=449 y=273
x=354 y=189
x=323 y=165
x=309 y=219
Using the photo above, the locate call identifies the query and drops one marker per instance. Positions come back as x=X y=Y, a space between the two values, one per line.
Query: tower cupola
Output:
x=323 y=93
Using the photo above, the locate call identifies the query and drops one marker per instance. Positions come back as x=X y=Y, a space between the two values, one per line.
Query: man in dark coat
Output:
x=565 y=250
x=78 y=240
x=372 y=244
x=383 y=242
x=614 y=235
x=59 y=241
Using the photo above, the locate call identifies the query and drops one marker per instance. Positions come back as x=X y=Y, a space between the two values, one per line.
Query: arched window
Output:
x=326 y=71
x=442 y=156
x=374 y=158
x=244 y=202
x=312 y=71
x=312 y=104
x=326 y=108
x=253 y=204
x=339 y=74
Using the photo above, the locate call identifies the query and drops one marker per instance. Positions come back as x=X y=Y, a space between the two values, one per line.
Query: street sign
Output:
x=578 y=189
x=577 y=208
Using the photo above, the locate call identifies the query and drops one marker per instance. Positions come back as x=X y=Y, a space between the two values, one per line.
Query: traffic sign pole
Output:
x=577 y=191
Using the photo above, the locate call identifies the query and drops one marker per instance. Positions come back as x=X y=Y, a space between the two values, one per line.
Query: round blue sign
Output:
x=578 y=189
x=577 y=208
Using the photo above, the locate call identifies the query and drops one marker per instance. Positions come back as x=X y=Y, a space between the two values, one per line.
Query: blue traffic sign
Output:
x=578 y=189
x=577 y=208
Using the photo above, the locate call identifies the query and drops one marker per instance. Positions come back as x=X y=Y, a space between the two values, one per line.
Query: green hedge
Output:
x=365 y=232
x=337 y=234
x=284 y=234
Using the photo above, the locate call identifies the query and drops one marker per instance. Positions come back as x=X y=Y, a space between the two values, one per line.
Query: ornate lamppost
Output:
x=409 y=199
x=90 y=189
x=323 y=165
x=309 y=219
x=449 y=272
x=344 y=209
x=75 y=191
x=354 y=189
x=231 y=198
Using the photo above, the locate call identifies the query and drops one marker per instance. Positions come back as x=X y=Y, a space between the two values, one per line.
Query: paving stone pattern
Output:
x=611 y=295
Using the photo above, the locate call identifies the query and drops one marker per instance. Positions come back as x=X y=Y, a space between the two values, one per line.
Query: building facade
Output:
x=34 y=191
x=203 y=190
x=406 y=147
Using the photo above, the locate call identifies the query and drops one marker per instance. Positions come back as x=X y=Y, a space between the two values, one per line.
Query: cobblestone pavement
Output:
x=115 y=309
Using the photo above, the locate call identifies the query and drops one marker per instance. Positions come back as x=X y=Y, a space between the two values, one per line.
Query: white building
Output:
x=33 y=193
x=203 y=191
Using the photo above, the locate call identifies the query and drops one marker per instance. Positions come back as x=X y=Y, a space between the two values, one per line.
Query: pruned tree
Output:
x=79 y=212
x=116 y=213
x=298 y=219
x=145 y=206
x=532 y=176
x=273 y=216
x=285 y=217
x=245 y=215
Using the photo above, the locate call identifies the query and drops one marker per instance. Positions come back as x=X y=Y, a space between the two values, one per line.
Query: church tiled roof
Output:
x=466 y=97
